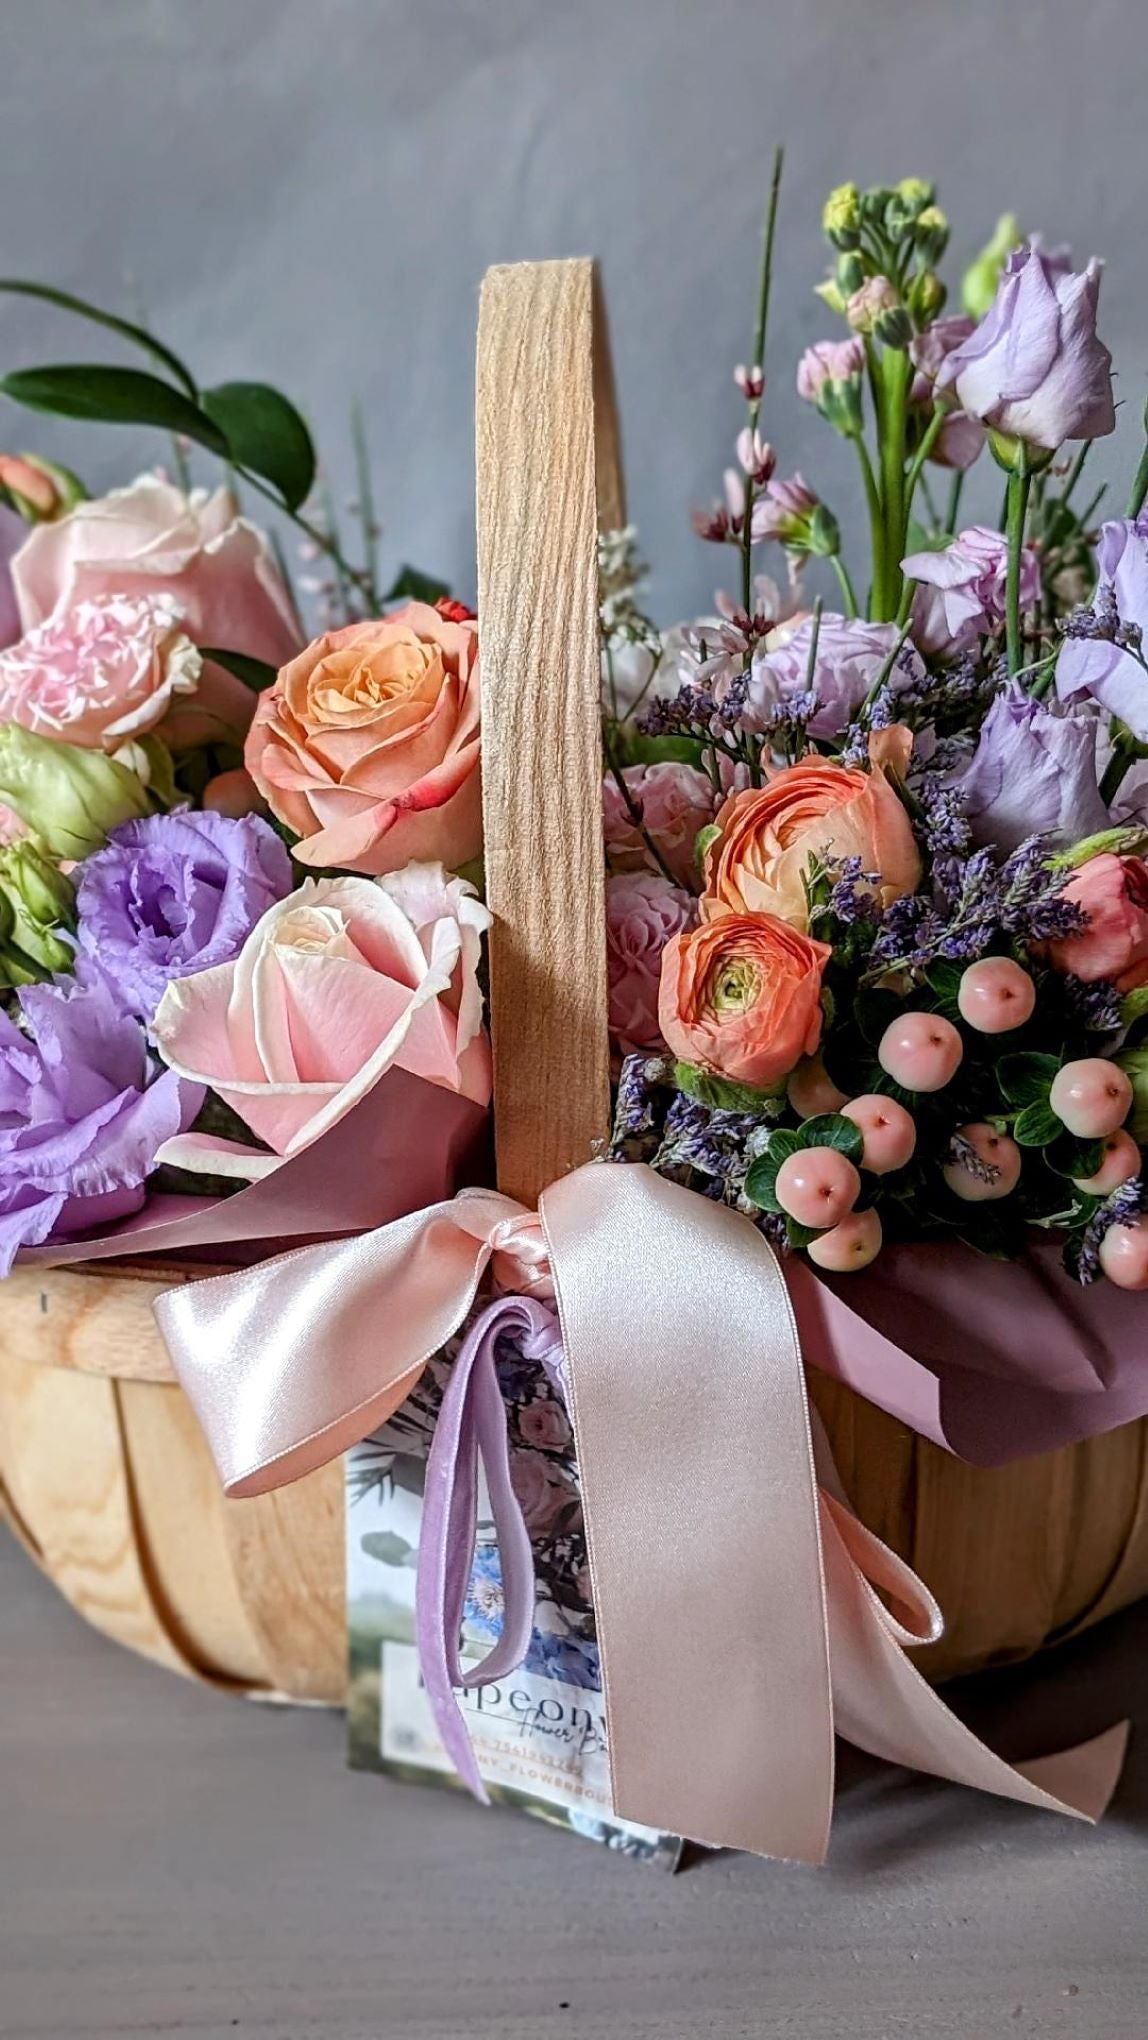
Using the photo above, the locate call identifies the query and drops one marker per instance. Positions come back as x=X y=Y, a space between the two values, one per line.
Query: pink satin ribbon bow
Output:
x=738 y=1599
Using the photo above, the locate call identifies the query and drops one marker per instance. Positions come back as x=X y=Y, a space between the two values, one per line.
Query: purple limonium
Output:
x=961 y=588
x=173 y=895
x=850 y=657
x=1110 y=665
x=1034 y=369
x=1033 y=773
x=82 y=1115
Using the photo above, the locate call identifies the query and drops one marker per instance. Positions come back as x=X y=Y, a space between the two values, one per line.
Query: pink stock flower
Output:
x=367 y=746
x=643 y=911
x=152 y=540
x=101 y=674
x=676 y=801
x=961 y=588
x=784 y=510
x=960 y=438
x=828 y=361
x=340 y=982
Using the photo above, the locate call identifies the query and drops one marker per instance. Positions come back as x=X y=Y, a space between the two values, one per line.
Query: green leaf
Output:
x=944 y=979
x=639 y=749
x=266 y=434
x=412 y=585
x=873 y=1009
x=722 y=1096
x=832 y=1130
x=1037 y=1126
x=1026 y=1079
x=761 y=1176
x=1071 y=1157
x=112 y=396
x=1134 y=1005
x=136 y=334
x=254 y=673
x=800 y=1235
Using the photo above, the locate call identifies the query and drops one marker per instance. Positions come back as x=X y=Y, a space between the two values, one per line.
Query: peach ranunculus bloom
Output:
x=1113 y=893
x=151 y=539
x=817 y=807
x=338 y=983
x=741 y=997
x=368 y=745
x=101 y=674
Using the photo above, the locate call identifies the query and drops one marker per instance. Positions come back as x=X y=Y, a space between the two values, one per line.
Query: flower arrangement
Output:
x=898 y=989
x=228 y=857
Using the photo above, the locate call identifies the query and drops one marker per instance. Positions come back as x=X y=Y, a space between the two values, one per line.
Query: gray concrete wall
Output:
x=309 y=190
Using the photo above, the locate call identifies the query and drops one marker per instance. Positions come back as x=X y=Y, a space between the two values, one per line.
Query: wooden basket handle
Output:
x=548 y=477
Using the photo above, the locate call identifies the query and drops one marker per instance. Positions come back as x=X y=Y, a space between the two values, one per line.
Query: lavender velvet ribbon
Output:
x=472 y=1430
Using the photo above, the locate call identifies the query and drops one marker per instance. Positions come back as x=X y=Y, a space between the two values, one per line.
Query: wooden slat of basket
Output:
x=547 y=468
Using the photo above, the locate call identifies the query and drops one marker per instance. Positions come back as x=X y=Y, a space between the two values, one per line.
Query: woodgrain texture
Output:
x=546 y=458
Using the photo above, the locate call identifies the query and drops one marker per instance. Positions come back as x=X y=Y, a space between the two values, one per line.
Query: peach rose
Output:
x=741 y=997
x=817 y=807
x=340 y=982
x=153 y=540
x=1113 y=893
x=367 y=746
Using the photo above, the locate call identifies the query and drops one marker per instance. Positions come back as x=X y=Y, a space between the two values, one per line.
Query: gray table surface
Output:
x=177 y=1862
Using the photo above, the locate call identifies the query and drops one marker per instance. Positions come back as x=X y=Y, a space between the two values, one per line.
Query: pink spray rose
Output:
x=367 y=746
x=152 y=540
x=1113 y=893
x=676 y=802
x=340 y=982
x=100 y=674
x=643 y=910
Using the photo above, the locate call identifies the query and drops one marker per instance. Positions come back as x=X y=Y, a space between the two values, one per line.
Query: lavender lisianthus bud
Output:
x=960 y=438
x=1102 y=666
x=1033 y=773
x=1034 y=369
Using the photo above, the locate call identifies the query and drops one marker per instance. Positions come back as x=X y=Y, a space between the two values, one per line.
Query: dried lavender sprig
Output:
x=1123 y=1207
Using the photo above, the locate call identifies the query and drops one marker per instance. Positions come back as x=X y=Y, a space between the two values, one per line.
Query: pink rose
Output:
x=676 y=802
x=338 y=983
x=546 y=1426
x=101 y=674
x=643 y=910
x=1113 y=892
x=545 y=1494
x=152 y=540
x=367 y=746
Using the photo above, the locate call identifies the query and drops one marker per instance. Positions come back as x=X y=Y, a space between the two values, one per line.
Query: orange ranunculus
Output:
x=367 y=745
x=741 y=997
x=817 y=807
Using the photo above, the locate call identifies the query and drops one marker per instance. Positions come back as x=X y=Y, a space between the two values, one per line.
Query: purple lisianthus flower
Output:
x=960 y=438
x=82 y=1116
x=962 y=588
x=850 y=656
x=1033 y=773
x=1034 y=367
x=173 y=895
x=1102 y=666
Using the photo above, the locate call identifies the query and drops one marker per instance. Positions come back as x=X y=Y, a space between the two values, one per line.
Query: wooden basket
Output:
x=103 y=1473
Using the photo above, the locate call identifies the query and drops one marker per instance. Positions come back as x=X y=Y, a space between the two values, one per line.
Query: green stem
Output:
x=1139 y=487
x=633 y=808
x=1016 y=512
x=876 y=520
x=314 y=532
x=954 y=504
x=1124 y=755
x=895 y=371
x=928 y=441
x=757 y=360
x=848 y=592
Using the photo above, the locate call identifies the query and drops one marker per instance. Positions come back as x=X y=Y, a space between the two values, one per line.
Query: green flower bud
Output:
x=68 y=797
x=893 y=328
x=841 y=218
x=850 y=273
x=830 y=294
x=823 y=533
x=38 y=902
x=840 y=405
x=979 y=282
x=931 y=233
x=925 y=296
x=915 y=193
x=1015 y=455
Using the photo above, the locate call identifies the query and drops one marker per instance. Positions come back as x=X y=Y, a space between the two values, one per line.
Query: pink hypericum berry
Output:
x=889 y=1132
x=1092 y=1097
x=921 y=1051
x=1121 y=1162
x=999 y=1165
x=810 y=1089
x=996 y=994
x=817 y=1185
x=850 y=1245
x=1124 y=1254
